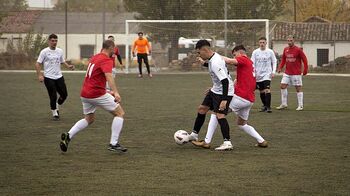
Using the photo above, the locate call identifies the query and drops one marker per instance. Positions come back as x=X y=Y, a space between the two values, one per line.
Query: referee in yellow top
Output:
x=143 y=49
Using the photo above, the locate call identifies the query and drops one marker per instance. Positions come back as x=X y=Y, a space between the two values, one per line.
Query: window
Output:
x=86 y=51
x=322 y=56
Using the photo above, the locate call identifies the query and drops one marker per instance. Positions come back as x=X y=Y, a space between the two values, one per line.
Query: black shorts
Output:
x=213 y=101
x=263 y=85
x=143 y=56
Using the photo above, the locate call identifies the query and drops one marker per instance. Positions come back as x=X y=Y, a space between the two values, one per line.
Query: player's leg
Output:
x=284 y=92
x=62 y=90
x=139 y=61
x=213 y=123
x=108 y=103
x=89 y=109
x=242 y=108
x=145 y=60
x=298 y=83
x=267 y=93
x=222 y=121
x=260 y=86
x=51 y=89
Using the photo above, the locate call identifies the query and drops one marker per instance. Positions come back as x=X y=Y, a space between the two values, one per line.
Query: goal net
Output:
x=173 y=41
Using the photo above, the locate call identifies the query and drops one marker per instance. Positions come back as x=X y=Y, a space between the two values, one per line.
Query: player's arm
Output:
x=133 y=48
x=304 y=59
x=274 y=63
x=283 y=61
x=38 y=65
x=38 y=72
x=220 y=73
x=231 y=61
x=113 y=86
x=72 y=67
x=120 y=59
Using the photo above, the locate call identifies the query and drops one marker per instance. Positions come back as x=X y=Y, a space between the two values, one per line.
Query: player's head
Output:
x=108 y=47
x=238 y=50
x=111 y=37
x=53 y=41
x=140 y=34
x=203 y=49
x=290 y=40
x=262 y=42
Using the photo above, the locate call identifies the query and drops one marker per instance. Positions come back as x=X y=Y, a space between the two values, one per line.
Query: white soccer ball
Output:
x=181 y=137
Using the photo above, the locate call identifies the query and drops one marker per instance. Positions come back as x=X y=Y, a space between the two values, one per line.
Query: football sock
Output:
x=284 y=96
x=80 y=125
x=213 y=123
x=117 y=126
x=198 y=123
x=300 y=96
x=251 y=131
x=54 y=112
x=225 y=129
x=262 y=97
x=268 y=100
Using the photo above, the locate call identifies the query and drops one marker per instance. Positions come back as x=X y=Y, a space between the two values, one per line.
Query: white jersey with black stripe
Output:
x=218 y=71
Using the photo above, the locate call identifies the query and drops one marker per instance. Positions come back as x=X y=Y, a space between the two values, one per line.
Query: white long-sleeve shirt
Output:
x=265 y=63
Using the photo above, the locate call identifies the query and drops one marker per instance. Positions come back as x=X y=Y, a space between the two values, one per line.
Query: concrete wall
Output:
x=310 y=49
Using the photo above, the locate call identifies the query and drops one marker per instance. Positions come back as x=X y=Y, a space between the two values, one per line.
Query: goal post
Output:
x=166 y=35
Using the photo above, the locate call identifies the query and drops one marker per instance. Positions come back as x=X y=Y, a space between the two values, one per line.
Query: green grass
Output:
x=308 y=153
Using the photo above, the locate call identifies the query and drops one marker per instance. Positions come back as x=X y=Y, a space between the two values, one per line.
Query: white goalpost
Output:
x=167 y=32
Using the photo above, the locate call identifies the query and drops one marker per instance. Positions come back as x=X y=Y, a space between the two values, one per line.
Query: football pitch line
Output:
x=169 y=73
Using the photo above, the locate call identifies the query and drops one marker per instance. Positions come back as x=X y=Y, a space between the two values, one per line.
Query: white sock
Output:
x=117 y=126
x=54 y=112
x=284 y=96
x=213 y=123
x=300 y=96
x=252 y=132
x=57 y=106
x=80 y=125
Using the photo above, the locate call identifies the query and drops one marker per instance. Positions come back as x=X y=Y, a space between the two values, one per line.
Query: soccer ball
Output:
x=181 y=137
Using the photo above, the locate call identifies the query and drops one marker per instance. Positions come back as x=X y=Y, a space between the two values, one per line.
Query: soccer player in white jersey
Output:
x=52 y=58
x=218 y=97
x=243 y=99
x=264 y=62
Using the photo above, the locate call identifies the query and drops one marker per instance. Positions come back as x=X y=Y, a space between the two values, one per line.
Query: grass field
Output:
x=309 y=152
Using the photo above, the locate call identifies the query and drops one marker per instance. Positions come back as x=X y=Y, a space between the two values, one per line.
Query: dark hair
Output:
x=262 y=38
x=239 y=47
x=111 y=36
x=53 y=36
x=201 y=43
x=140 y=33
x=107 y=44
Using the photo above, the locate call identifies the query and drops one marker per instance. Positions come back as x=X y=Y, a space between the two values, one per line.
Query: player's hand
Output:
x=278 y=70
x=222 y=106
x=207 y=91
x=149 y=53
x=41 y=78
x=71 y=67
x=200 y=60
x=117 y=97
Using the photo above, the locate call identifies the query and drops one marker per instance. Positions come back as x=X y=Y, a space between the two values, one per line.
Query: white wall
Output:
x=310 y=49
x=74 y=42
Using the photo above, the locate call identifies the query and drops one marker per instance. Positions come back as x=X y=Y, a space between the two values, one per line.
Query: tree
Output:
x=11 y=6
x=90 y=5
x=335 y=10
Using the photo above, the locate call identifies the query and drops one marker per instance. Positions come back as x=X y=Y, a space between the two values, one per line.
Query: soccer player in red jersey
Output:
x=244 y=88
x=292 y=58
x=93 y=94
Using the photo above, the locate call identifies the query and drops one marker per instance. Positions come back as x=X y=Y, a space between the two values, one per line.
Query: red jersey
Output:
x=245 y=80
x=292 y=57
x=95 y=80
x=116 y=53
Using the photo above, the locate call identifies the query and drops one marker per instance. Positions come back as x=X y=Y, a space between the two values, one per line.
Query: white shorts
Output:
x=241 y=106
x=106 y=102
x=294 y=80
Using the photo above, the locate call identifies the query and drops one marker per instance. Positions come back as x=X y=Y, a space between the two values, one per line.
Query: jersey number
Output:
x=89 y=70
